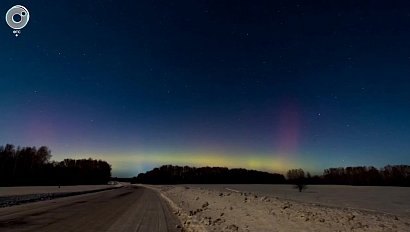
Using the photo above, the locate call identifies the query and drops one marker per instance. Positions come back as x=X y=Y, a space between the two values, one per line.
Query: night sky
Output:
x=267 y=85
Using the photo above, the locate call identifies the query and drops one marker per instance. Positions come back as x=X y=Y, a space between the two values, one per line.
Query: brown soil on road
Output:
x=130 y=208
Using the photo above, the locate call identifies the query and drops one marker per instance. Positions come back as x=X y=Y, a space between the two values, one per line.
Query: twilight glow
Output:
x=267 y=86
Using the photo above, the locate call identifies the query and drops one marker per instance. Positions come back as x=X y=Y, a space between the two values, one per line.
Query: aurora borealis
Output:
x=268 y=85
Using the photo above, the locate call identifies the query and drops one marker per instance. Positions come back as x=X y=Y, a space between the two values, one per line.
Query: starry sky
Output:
x=267 y=85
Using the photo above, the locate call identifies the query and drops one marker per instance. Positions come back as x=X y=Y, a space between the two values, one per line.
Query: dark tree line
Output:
x=390 y=175
x=32 y=166
x=393 y=175
x=169 y=174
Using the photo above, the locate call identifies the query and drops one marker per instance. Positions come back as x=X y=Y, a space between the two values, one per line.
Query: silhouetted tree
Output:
x=297 y=177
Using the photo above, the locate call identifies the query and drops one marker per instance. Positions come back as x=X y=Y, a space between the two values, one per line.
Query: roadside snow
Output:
x=224 y=210
x=10 y=196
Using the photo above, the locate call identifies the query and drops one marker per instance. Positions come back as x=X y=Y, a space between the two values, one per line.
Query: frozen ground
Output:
x=393 y=200
x=282 y=208
x=13 y=191
x=10 y=196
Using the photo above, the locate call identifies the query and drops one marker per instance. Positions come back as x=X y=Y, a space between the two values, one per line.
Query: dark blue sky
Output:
x=268 y=85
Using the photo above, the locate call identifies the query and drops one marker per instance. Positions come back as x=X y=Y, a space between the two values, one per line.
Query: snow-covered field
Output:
x=25 y=190
x=394 y=200
x=10 y=196
x=282 y=208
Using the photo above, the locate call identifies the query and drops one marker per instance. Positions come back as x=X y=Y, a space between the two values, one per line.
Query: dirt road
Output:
x=130 y=208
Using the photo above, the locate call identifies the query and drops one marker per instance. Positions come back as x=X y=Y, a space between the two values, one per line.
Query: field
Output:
x=283 y=208
x=393 y=200
x=10 y=196
x=25 y=190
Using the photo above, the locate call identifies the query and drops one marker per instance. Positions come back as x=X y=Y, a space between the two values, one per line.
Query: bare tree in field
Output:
x=297 y=177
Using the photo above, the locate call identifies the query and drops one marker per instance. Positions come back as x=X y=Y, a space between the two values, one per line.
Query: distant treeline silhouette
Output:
x=393 y=175
x=390 y=175
x=169 y=174
x=32 y=166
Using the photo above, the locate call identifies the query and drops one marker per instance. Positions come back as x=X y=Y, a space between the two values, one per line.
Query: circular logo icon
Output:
x=17 y=17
